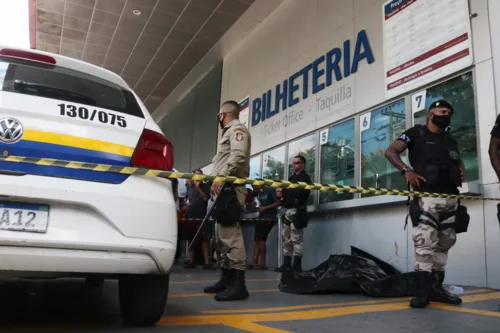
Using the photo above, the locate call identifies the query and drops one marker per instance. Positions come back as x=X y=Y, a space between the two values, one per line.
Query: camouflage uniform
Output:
x=293 y=238
x=432 y=243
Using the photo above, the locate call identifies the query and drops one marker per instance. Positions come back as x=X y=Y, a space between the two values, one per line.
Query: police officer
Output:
x=232 y=159
x=294 y=201
x=437 y=167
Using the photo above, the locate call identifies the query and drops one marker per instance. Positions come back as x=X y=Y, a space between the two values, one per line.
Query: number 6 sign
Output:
x=364 y=121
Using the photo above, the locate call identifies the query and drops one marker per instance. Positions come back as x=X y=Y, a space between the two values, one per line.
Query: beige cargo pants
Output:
x=229 y=244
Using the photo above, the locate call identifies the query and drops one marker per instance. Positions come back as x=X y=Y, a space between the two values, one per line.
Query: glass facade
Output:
x=339 y=149
x=459 y=92
x=381 y=127
x=274 y=164
x=337 y=145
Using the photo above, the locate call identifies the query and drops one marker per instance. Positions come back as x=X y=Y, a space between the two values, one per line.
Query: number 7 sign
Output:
x=418 y=101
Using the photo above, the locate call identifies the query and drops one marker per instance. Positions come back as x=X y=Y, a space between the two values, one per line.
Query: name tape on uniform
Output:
x=233 y=180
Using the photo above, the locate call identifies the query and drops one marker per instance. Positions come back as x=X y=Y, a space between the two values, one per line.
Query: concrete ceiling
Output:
x=152 y=51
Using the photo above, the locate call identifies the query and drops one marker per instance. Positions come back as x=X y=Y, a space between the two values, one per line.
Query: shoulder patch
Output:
x=405 y=138
x=239 y=136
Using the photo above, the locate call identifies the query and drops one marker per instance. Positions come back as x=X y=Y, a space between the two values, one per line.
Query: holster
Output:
x=227 y=208
x=302 y=218
x=462 y=219
x=414 y=211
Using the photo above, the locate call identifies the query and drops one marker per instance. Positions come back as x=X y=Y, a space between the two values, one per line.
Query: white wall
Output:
x=493 y=10
x=296 y=34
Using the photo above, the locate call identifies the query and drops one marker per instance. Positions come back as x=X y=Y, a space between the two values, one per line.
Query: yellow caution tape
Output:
x=234 y=180
x=241 y=220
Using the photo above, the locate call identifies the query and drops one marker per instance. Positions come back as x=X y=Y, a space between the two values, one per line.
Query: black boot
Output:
x=297 y=264
x=222 y=284
x=287 y=263
x=236 y=290
x=422 y=296
x=439 y=294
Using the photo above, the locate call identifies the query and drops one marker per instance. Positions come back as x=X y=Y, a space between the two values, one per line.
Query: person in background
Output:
x=268 y=203
x=180 y=225
x=294 y=200
x=198 y=194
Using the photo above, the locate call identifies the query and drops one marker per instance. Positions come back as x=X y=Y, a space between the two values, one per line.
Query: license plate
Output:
x=28 y=217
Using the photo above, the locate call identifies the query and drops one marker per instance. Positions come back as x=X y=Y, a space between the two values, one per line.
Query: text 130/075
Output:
x=84 y=113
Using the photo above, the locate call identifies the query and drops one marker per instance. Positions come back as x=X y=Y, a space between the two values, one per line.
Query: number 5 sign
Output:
x=323 y=136
x=364 y=122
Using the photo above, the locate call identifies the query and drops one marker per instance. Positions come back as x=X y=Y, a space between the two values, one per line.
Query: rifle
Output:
x=207 y=217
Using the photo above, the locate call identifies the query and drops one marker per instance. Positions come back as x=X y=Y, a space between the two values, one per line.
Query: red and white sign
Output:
x=424 y=40
x=244 y=110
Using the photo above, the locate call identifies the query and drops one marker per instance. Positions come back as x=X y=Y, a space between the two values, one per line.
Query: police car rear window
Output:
x=60 y=83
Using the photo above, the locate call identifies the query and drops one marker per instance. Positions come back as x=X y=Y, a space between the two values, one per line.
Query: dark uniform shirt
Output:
x=295 y=198
x=409 y=137
x=496 y=128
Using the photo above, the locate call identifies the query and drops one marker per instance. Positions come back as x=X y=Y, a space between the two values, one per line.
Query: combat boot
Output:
x=297 y=264
x=222 y=284
x=236 y=290
x=287 y=263
x=423 y=293
x=439 y=294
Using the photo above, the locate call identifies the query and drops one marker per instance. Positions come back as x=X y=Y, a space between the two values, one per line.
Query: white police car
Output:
x=63 y=222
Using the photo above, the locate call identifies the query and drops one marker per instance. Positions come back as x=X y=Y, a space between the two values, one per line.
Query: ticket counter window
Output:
x=337 y=159
x=255 y=166
x=459 y=92
x=274 y=164
x=379 y=128
x=306 y=147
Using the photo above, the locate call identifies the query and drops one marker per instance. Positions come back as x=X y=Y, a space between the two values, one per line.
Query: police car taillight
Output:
x=153 y=151
x=26 y=55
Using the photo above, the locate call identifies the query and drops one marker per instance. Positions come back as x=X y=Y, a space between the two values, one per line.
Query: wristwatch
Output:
x=406 y=169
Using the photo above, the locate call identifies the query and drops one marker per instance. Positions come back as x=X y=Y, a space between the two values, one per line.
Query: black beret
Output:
x=441 y=104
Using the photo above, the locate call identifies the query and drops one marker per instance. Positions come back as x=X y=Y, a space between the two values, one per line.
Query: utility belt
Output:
x=460 y=225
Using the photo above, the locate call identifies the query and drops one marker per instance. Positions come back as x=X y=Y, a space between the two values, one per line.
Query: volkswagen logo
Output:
x=11 y=130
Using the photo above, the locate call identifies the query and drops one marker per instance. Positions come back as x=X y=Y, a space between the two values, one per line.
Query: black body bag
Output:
x=227 y=209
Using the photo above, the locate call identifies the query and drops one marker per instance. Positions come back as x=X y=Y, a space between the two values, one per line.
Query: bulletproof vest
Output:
x=437 y=159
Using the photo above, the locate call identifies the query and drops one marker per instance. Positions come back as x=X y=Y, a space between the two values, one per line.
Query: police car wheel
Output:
x=143 y=299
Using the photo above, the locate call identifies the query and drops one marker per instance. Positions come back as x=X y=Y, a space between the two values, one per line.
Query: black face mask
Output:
x=442 y=121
